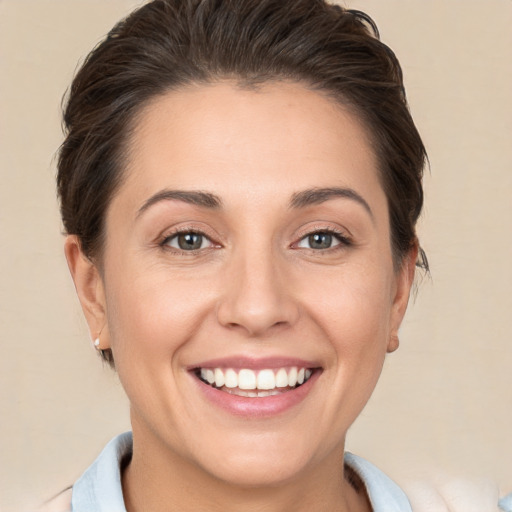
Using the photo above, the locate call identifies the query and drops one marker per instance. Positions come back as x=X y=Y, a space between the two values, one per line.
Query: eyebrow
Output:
x=195 y=197
x=314 y=196
x=300 y=199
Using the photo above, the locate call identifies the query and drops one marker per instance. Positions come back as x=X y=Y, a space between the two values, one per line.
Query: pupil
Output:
x=190 y=241
x=320 y=241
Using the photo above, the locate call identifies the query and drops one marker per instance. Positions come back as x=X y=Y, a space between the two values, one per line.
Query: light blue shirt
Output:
x=99 y=488
x=506 y=503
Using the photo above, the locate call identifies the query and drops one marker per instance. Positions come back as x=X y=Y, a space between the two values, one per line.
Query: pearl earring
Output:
x=97 y=342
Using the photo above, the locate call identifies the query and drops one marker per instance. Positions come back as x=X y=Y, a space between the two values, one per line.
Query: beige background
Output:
x=445 y=398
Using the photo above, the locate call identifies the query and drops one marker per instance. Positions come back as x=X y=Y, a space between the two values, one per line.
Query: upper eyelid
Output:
x=167 y=236
x=171 y=232
x=322 y=228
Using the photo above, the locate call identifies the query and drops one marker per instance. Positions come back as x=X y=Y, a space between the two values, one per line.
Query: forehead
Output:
x=273 y=141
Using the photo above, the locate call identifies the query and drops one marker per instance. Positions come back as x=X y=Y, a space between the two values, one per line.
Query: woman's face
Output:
x=249 y=243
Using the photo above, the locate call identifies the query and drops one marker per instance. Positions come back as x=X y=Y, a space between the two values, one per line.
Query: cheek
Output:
x=353 y=305
x=353 y=312
x=153 y=314
x=152 y=318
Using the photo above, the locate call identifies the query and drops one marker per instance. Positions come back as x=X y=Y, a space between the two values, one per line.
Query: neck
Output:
x=158 y=480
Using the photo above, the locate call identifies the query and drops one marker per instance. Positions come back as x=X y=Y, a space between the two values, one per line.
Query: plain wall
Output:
x=444 y=402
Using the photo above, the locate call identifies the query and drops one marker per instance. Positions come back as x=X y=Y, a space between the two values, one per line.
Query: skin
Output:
x=255 y=288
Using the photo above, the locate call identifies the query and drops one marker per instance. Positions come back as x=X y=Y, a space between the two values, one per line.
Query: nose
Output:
x=257 y=296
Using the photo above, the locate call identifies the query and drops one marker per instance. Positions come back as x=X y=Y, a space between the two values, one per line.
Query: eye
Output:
x=188 y=241
x=320 y=240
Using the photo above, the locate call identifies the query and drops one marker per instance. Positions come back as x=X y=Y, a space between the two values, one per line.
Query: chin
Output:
x=257 y=472
x=259 y=462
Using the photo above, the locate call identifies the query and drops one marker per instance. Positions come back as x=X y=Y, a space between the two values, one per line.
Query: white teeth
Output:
x=292 y=377
x=248 y=381
x=208 y=375
x=219 y=378
x=266 y=379
x=281 y=378
x=230 y=379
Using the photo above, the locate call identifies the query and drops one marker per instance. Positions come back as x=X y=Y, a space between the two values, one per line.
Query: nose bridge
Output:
x=256 y=297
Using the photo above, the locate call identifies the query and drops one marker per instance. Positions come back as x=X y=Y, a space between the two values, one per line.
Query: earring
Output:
x=97 y=343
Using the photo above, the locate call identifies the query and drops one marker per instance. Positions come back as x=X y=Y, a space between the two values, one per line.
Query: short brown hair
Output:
x=167 y=44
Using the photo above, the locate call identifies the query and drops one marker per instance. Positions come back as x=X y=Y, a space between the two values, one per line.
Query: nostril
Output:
x=257 y=321
x=257 y=296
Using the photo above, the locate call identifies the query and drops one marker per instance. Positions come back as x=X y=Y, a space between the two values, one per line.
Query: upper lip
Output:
x=239 y=361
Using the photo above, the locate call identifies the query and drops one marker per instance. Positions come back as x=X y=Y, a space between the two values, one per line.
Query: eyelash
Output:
x=164 y=244
x=340 y=236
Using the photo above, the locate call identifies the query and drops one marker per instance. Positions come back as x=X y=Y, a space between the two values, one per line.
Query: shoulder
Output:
x=60 y=503
x=506 y=503
x=450 y=494
x=440 y=494
x=99 y=488
x=384 y=494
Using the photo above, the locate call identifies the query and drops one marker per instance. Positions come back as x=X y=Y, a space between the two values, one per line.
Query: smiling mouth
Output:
x=255 y=383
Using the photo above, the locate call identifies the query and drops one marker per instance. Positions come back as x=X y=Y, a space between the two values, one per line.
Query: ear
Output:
x=89 y=288
x=404 y=280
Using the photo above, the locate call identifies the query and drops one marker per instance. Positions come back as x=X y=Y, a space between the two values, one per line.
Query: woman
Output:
x=240 y=184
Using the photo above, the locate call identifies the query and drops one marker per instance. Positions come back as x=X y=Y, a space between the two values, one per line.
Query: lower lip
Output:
x=258 y=407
